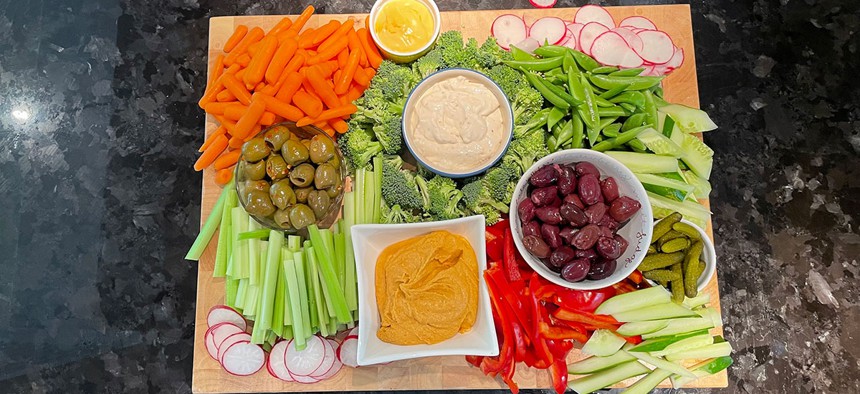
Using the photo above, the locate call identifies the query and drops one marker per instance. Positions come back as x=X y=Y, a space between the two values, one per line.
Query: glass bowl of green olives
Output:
x=290 y=177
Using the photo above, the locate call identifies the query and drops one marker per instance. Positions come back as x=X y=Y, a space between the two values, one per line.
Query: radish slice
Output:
x=677 y=59
x=305 y=379
x=594 y=13
x=548 y=30
x=277 y=366
x=348 y=353
x=529 y=45
x=211 y=348
x=335 y=368
x=509 y=29
x=230 y=341
x=222 y=331
x=353 y=332
x=224 y=314
x=575 y=31
x=243 y=359
x=632 y=40
x=640 y=22
x=327 y=362
x=611 y=49
x=543 y=3
x=571 y=42
x=351 y=337
x=650 y=71
x=304 y=362
x=658 y=48
x=588 y=34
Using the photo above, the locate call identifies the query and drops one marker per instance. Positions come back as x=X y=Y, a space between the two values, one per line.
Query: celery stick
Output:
x=250 y=310
x=209 y=226
x=299 y=258
x=314 y=262
x=278 y=303
x=329 y=277
x=270 y=279
x=309 y=277
x=240 y=248
x=328 y=241
x=350 y=287
x=294 y=243
x=258 y=333
x=261 y=233
x=377 y=189
x=231 y=289
x=241 y=291
x=231 y=268
x=253 y=252
x=339 y=257
x=322 y=314
x=288 y=333
x=283 y=294
x=369 y=197
x=225 y=247
x=295 y=303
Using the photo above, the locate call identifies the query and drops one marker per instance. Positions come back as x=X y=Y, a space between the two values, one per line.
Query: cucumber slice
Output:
x=689 y=120
x=648 y=383
x=681 y=326
x=685 y=344
x=641 y=327
x=654 y=312
x=696 y=155
x=658 y=344
x=603 y=343
x=595 y=363
x=697 y=301
x=663 y=364
x=716 y=350
x=670 y=188
x=692 y=211
x=645 y=163
x=634 y=300
x=702 y=188
x=659 y=143
x=712 y=314
x=606 y=378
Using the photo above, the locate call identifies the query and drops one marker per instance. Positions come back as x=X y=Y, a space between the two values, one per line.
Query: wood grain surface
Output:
x=440 y=373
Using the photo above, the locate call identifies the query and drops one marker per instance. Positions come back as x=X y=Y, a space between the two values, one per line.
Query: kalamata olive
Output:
x=595 y=212
x=282 y=194
x=573 y=215
x=526 y=210
x=576 y=270
x=622 y=241
x=282 y=218
x=302 y=194
x=325 y=176
x=550 y=234
x=608 y=247
x=532 y=228
x=585 y=167
x=254 y=171
x=303 y=175
x=301 y=216
x=567 y=233
x=589 y=254
x=586 y=237
x=544 y=195
x=321 y=150
x=606 y=231
x=551 y=267
x=623 y=208
x=258 y=203
x=609 y=187
x=255 y=150
x=276 y=167
x=549 y=215
x=566 y=180
x=319 y=202
x=589 y=189
x=601 y=269
x=608 y=222
x=294 y=152
x=276 y=136
x=536 y=246
x=574 y=199
x=543 y=177
x=561 y=256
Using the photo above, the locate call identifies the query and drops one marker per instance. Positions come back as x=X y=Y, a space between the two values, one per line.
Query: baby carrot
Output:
x=327 y=69
x=260 y=86
x=290 y=87
x=299 y=23
x=254 y=35
x=240 y=75
x=295 y=63
x=306 y=84
x=373 y=56
x=328 y=129
x=269 y=89
x=257 y=67
x=361 y=77
x=234 y=86
x=224 y=175
x=328 y=114
x=225 y=96
x=211 y=153
x=307 y=103
x=227 y=159
x=243 y=60
x=287 y=34
x=217 y=70
x=218 y=108
x=252 y=49
x=354 y=93
x=267 y=119
x=306 y=39
x=283 y=25
x=283 y=55
x=281 y=108
x=235 y=143
x=341 y=32
x=249 y=119
x=324 y=32
x=336 y=76
x=370 y=71
x=355 y=45
x=338 y=125
x=322 y=89
x=342 y=57
x=341 y=85
x=221 y=130
x=234 y=39
x=330 y=52
x=235 y=112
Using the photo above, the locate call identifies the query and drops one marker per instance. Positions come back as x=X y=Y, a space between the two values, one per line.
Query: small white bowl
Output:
x=405 y=57
x=368 y=242
x=637 y=231
x=506 y=111
x=709 y=255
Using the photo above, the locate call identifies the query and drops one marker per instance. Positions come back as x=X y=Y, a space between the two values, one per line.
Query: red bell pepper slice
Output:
x=623 y=287
x=584 y=300
x=509 y=258
x=475 y=360
x=513 y=299
x=636 y=277
x=558 y=371
x=597 y=321
x=544 y=356
x=504 y=363
x=555 y=332
x=495 y=235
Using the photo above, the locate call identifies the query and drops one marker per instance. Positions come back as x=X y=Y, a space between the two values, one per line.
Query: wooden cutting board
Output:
x=429 y=373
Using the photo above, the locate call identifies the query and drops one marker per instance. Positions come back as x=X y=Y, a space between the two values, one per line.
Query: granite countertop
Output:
x=98 y=115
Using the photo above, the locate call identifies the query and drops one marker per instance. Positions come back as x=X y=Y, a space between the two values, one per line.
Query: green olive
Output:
x=301 y=216
x=322 y=149
x=282 y=194
x=325 y=176
x=260 y=185
x=255 y=150
x=303 y=175
x=259 y=204
x=276 y=167
x=254 y=171
x=276 y=136
x=335 y=161
x=282 y=218
x=302 y=194
x=335 y=190
x=307 y=143
x=319 y=201
x=294 y=152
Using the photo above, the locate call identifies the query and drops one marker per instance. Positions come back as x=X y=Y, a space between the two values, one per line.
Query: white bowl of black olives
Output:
x=290 y=177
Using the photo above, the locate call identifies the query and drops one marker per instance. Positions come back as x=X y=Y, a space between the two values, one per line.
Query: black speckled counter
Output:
x=98 y=125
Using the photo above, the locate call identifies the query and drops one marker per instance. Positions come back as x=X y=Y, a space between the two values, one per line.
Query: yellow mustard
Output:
x=404 y=25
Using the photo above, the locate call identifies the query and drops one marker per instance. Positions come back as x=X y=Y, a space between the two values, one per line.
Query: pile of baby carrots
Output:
x=308 y=76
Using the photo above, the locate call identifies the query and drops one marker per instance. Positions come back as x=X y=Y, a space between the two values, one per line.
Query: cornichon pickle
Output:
x=652 y=249
x=687 y=230
x=691 y=266
x=661 y=276
x=670 y=235
x=665 y=225
x=660 y=260
x=675 y=245
x=677 y=285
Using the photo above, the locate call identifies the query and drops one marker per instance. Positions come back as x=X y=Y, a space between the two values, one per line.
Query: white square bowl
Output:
x=368 y=242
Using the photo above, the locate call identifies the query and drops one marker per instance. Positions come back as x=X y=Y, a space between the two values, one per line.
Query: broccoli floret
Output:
x=444 y=198
x=399 y=187
x=428 y=64
x=396 y=214
x=454 y=53
x=358 y=146
x=525 y=100
x=491 y=54
x=498 y=180
x=525 y=150
x=488 y=195
x=394 y=82
x=389 y=132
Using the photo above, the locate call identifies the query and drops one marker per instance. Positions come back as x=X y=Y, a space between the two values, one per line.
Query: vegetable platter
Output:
x=451 y=372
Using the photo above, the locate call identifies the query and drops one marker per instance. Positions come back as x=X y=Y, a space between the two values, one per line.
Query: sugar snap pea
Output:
x=631 y=97
x=544 y=64
x=612 y=130
x=588 y=108
x=555 y=115
x=578 y=131
x=609 y=94
x=637 y=146
x=662 y=227
x=629 y=108
x=602 y=102
x=622 y=139
x=604 y=70
x=565 y=133
x=650 y=108
x=630 y=72
x=614 y=110
x=568 y=63
x=634 y=83
x=585 y=61
x=551 y=51
x=544 y=90
x=521 y=55
x=552 y=143
x=635 y=120
x=560 y=92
